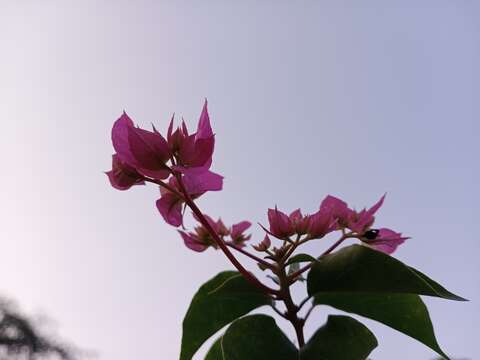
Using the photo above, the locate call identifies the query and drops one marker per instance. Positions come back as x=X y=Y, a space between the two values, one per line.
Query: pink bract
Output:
x=321 y=223
x=193 y=152
x=203 y=182
x=299 y=222
x=280 y=224
x=192 y=241
x=237 y=233
x=143 y=150
x=264 y=245
x=349 y=218
x=170 y=207
x=386 y=240
x=337 y=208
x=123 y=176
x=170 y=204
x=361 y=221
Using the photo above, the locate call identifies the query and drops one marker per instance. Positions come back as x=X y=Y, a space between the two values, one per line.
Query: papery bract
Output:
x=150 y=151
x=221 y=229
x=123 y=176
x=384 y=240
x=264 y=245
x=280 y=224
x=193 y=242
x=237 y=233
x=193 y=152
x=201 y=238
x=214 y=224
x=338 y=209
x=170 y=204
x=203 y=182
x=175 y=138
x=143 y=150
x=361 y=221
x=321 y=223
x=120 y=139
x=299 y=222
x=349 y=218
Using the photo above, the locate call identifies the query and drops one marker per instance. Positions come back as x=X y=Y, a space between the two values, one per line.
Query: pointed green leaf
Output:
x=404 y=312
x=439 y=289
x=215 y=352
x=341 y=338
x=360 y=268
x=218 y=302
x=257 y=337
x=299 y=258
x=364 y=281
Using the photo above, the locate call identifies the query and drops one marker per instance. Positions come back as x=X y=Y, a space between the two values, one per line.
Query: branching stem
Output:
x=278 y=267
x=292 y=309
x=164 y=185
x=250 y=255
x=296 y=274
x=221 y=244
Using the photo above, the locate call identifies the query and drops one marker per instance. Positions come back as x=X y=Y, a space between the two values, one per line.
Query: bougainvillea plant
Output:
x=362 y=279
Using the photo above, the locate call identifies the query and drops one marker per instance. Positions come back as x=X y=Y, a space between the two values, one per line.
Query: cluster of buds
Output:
x=333 y=214
x=200 y=239
x=180 y=164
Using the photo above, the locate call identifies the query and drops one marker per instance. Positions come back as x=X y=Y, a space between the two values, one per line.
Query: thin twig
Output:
x=164 y=185
x=249 y=276
x=309 y=312
x=328 y=251
x=246 y=253
x=278 y=312
x=304 y=301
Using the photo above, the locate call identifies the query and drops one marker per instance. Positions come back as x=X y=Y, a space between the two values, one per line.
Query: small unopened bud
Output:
x=264 y=245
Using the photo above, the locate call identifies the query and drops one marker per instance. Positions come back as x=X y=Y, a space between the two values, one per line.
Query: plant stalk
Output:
x=249 y=276
x=292 y=309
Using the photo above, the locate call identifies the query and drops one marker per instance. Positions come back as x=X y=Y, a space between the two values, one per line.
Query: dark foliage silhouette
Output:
x=22 y=339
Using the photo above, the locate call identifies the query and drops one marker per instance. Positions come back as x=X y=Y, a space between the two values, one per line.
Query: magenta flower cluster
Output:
x=180 y=164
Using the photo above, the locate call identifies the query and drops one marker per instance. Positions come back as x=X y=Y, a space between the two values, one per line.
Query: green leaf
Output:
x=299 y=258
x=215 y=352
x=257 y=337
x=217 y=303
x=341 y=338
x=364 y=281
x=439 y=289
x=360 y=268
x=404 y=312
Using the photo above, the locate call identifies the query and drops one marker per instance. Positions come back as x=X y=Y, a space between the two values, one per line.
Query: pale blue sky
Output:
x=306 y=98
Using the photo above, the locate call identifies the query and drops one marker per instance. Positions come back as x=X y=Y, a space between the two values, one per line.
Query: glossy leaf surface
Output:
x=217 y=303
x=341 y=338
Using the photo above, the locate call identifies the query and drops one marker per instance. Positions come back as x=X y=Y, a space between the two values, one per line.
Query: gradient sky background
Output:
x=306 y=98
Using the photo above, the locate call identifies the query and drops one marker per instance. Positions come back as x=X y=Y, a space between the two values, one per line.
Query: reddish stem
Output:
x=164 y=185
x=292 y=309
x=191 y=204
x=328 y=251
x=246 y=253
